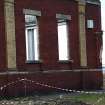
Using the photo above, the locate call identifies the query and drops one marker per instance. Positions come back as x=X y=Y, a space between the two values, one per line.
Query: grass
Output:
x=91 y=99
x=94 y=99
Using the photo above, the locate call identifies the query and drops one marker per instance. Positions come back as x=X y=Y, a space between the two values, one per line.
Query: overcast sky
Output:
x=103 y=27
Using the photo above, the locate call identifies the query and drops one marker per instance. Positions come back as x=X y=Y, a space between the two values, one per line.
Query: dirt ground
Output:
x=53 y=99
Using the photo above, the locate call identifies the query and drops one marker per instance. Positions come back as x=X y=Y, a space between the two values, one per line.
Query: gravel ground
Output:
x=53 y=99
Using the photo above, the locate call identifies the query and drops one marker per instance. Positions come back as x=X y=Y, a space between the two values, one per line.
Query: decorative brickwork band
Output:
x=10 y=33
x=82 y=33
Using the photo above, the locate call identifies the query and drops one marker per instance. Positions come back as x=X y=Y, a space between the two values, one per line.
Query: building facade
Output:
x=54 y=42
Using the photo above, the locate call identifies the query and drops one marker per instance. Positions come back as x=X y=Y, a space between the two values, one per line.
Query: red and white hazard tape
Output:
x=24 y=80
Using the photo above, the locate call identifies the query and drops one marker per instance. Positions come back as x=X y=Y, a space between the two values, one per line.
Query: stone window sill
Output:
x=33 y=62
x=65 y=61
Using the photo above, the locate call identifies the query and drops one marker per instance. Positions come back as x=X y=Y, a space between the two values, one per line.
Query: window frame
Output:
x=90 y=24
x=35 y=40
x=32 y=26
x=65 y=22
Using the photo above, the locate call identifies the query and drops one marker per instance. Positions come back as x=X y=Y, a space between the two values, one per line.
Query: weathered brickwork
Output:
x=48 y=33
x=2 y=38
x=82 y=71
x=93 y=36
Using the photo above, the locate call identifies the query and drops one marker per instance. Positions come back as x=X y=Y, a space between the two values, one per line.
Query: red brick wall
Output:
x=48 y=32
x=49 y=50
x=66 y=80
x=93 y=41
x=2 y=38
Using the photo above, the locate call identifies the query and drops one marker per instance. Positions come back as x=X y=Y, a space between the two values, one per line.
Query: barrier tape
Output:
x=50 y=86
x=24 y=80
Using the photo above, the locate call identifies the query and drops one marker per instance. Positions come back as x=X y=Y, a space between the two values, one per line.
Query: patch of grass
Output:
x=97 y=99
x=63 y=98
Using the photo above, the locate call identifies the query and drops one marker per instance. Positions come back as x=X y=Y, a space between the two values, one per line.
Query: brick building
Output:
x=56 y=42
